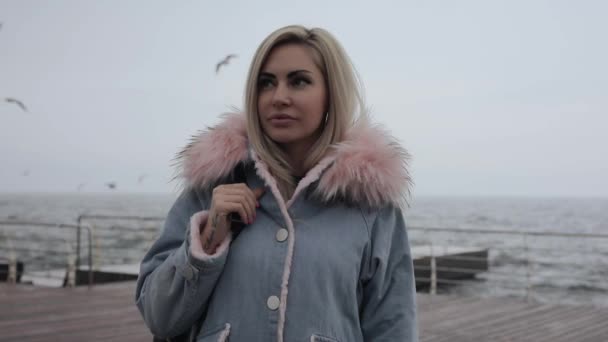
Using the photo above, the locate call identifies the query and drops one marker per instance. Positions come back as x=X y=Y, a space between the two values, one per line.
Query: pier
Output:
x=107 y=312
x=91 y=297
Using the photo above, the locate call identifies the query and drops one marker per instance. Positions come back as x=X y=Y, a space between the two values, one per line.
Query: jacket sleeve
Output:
x=388 y=306
x=176 y=278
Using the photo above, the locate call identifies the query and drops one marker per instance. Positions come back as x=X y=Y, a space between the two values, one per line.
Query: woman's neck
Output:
x=296 y=156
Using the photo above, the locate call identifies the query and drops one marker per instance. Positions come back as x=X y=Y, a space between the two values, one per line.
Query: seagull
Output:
x=25 y=173
x=223 y=62
x=141 y=178
x=111 y=185
x=80 y=186
x=17 y=102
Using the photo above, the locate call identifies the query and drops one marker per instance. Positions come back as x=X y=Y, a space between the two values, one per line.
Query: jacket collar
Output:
x=368 y=168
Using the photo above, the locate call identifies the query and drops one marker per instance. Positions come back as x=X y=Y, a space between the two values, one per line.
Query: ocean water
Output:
x=550 y=249
x=527 y=254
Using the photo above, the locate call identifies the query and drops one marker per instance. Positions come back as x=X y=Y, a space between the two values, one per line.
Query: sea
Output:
x=544 y=249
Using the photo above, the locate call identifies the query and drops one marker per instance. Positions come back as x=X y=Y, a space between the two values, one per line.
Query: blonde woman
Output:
x=322 y=252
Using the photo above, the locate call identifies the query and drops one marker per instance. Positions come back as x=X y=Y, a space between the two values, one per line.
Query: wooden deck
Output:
x=108 y=313
x=460 y=319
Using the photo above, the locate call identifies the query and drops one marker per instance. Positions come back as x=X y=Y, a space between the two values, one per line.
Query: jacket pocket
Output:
x=217 y=334
x=321 y=338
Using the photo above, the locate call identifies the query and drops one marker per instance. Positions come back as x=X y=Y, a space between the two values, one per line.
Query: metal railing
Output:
x=47 y=245
x=127 y=235
x=539 y=265
x=54 y=254
x=513 y=261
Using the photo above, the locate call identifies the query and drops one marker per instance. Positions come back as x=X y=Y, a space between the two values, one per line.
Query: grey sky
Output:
x=490 y=97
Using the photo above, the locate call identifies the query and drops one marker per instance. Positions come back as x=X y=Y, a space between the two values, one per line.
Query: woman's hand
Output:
x=226 y=199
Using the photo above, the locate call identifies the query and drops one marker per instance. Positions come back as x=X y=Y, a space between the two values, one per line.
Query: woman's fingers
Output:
x=258 y=192
x=243 y=207
x=227 y=199
x=253 y=195
x=248 y=197
x=237 y=198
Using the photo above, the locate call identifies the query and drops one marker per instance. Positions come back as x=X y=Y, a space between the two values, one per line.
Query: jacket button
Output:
x=273 y=302
x=282 y=234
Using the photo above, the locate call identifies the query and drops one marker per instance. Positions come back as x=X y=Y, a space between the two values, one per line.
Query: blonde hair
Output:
x=345 y=102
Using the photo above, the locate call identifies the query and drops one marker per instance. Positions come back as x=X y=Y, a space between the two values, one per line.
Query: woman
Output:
x=323 y=254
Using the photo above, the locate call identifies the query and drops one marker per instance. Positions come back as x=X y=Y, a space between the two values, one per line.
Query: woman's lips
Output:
x=281 y=120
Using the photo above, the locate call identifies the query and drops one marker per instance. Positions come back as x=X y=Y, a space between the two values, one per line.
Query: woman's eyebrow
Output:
x=289 y=75
x=266 y=74
x=295 y=72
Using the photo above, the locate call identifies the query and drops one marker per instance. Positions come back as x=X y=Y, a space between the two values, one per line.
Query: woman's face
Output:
x=292 y=97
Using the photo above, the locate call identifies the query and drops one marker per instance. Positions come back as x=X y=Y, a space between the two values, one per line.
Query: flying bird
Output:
x=111 y=185
x=17 y=102
x=80 y=186
x=141 y=178
x=224 y=62
x=25 y=173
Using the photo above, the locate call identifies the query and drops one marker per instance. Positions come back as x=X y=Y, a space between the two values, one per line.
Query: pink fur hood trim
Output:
x=369 y=167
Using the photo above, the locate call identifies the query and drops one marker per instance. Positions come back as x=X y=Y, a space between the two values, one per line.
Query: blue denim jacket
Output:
x=330 y=264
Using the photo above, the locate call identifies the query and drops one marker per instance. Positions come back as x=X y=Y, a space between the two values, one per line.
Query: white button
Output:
x=273 y=302
x=282 y=234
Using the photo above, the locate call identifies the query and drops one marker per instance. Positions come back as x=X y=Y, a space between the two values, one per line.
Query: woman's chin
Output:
x=281 y=139
x=281 y=136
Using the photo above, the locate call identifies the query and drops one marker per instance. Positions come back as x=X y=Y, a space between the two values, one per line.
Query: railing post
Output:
x=71 y=281
x=12 y=269
x=90 y=255
x=433 y=272
x=79 y=221
x=528 y=270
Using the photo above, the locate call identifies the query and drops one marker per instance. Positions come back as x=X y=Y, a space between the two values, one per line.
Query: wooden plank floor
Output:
x=460 y=319
x=104 y=313
x=108 y=313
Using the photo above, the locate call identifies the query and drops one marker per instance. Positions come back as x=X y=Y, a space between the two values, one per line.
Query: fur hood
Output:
x=368 y=168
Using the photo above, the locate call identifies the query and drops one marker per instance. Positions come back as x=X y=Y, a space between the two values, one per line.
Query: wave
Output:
x=505 y=259
x=571 y=288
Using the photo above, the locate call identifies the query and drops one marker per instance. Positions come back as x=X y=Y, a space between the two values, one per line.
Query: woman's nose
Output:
x=281 y=96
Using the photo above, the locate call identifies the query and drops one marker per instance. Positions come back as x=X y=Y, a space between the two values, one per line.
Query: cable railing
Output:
x=545 y=266
x=95 y=249
x=453 y=260
x=119 y=233
x=32 y=251
x=119 y=244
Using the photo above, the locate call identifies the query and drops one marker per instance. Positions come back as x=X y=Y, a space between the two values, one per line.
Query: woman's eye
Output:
x=264 y=83
x=300 y=82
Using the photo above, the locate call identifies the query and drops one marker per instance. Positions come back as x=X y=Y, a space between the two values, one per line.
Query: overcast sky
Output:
x=500 y=98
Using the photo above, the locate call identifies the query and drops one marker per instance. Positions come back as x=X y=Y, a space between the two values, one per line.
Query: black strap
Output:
x=237 y=223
